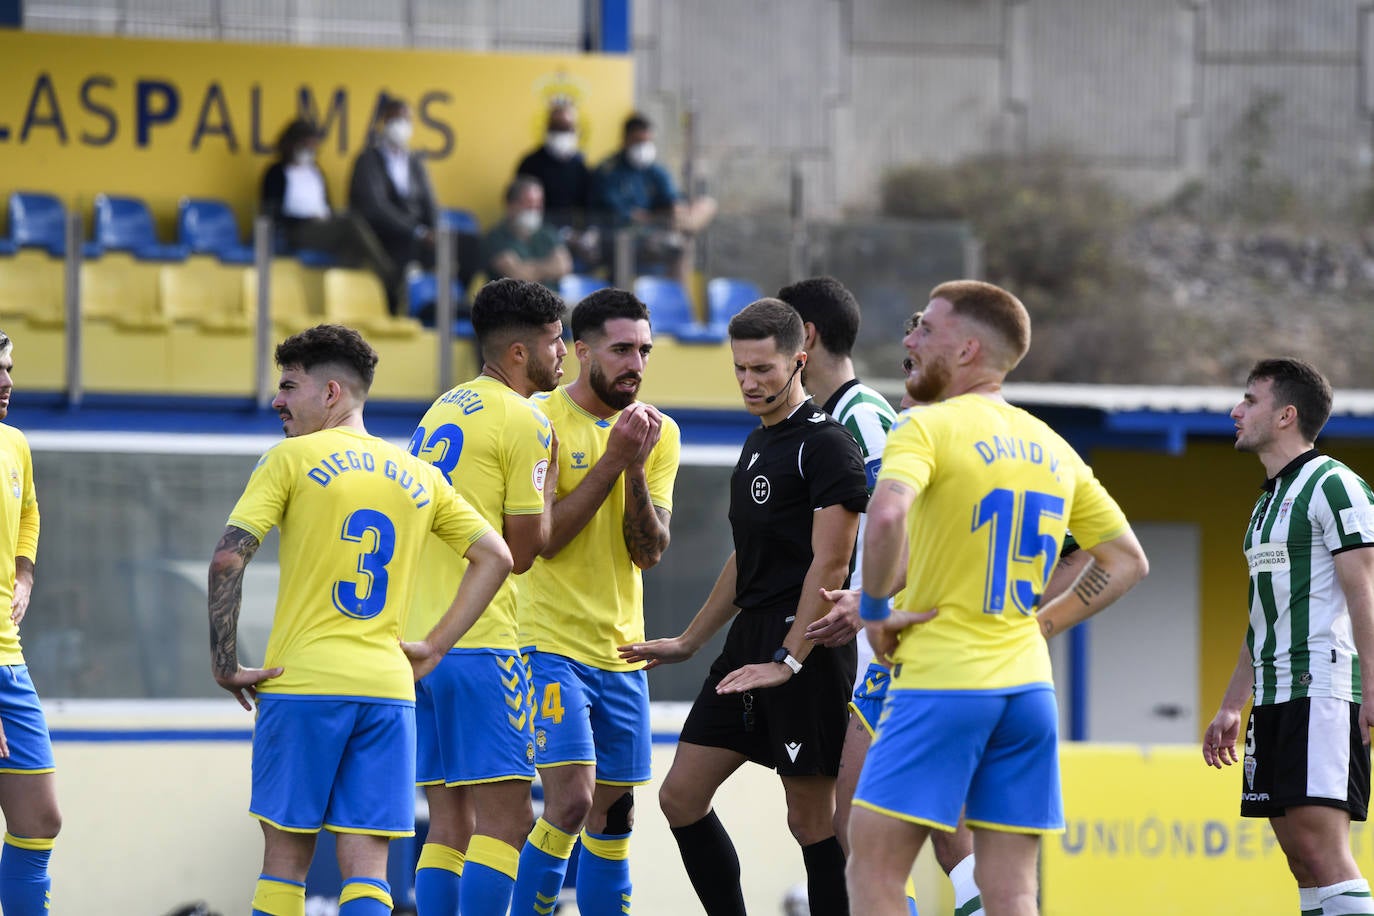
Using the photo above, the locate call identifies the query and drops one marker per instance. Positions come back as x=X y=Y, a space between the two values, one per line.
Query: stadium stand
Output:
x=209 y=226
x=126 y=224
x=576 y=287
x=725 y=296
x=671 y=311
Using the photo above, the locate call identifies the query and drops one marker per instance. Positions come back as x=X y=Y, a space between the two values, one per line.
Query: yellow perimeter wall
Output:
x=165 y=119
x=1214 y=487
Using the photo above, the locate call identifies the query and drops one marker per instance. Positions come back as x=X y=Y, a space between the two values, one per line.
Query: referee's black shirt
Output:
x=785 y=473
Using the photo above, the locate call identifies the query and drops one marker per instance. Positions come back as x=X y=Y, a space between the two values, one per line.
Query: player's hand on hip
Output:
x=841 y=623
x=424 y=658
x=882 y=634
x=4 y=743
x=20 y=605
x=753 y=677
x=1219 y=741
x=657 y=652
x=243 y=683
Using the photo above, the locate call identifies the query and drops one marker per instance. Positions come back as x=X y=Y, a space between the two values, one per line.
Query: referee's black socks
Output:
x=713 y=865
x=825 y=888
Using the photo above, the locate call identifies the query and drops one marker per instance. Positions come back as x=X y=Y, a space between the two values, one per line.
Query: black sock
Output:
x=713 y=865
x=825 y=888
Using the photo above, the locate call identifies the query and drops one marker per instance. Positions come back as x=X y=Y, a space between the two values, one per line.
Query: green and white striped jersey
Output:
x=868 y=416
x=1300 y=637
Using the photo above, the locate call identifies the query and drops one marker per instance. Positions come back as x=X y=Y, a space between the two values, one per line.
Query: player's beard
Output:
x=543 y=376
x=932 y=378
x=611 y=396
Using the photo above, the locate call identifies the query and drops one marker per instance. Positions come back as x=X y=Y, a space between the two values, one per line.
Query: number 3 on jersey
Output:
x=1000 y=511
x=365 y=598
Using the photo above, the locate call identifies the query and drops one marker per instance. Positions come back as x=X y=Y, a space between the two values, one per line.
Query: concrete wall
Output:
x=1151 y=92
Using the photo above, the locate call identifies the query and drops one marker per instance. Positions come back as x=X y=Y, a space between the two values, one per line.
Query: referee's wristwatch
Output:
x=784 y=657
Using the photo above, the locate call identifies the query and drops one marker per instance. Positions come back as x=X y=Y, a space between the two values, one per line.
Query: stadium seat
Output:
x=209 y=227
x=208 y=296
x=289 y=293
x=461 y=222
x=31 y=288
x=423 y=293
x=40 y=221
x=124 y=224
x=356 y=298
x=725 y=296
x=122 y=291
x=576 y=287
x=670 y=311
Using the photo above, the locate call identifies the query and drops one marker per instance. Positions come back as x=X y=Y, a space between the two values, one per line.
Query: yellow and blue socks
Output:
x=712 y=865
x=1347 y=897
x=825 y=886
x=488 y=878
x=911 y=897
x=365 y=897
x=25 y=887
x=438 y=880
x=543 y=865
x=603 y=874
x=273 y=897
x=967 y=902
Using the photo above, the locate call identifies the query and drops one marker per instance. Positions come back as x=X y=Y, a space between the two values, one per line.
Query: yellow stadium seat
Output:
x=118 y=289
x=31 y=287
x=293 y=290
x=356 y=298
x=205 y=294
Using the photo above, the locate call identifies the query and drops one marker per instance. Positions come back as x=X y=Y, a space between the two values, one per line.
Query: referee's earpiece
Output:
x=773 y=397
x=800 y=363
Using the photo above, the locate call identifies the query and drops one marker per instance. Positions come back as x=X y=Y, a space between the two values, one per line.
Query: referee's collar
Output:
x=1272 y=483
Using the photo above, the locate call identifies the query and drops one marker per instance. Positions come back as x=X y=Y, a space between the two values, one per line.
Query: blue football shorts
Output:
x=473 y=721
x=346 y=765
x=993 y=754
x=592 y=716
x=867 y=703
x=26 y=730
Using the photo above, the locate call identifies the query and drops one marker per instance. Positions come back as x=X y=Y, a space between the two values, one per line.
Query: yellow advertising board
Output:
x=1153 y=831
x=161 y=120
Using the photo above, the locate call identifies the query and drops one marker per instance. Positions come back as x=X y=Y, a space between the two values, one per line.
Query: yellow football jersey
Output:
x=589 y=599
x=493 y=446
x=996 y=490
x=354 y=512
x=18 y=530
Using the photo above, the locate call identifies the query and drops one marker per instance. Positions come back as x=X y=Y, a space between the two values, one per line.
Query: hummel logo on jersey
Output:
x=752 y=458
x=579 y=460
x=793 y=748
x=816 y=418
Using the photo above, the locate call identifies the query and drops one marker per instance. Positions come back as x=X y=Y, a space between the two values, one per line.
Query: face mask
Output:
x=642 y=155
x=561 y=144
x=399 y=131
x=529 y=221
x=303 y=157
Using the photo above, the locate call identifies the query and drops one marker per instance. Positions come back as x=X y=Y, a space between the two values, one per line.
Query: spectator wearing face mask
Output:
x=295 y=195
x=391 y=190
x=522 y=246
x=633 y=190
x=567 y=182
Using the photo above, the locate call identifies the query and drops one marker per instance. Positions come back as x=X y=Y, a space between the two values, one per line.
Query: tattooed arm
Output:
x=1117 y=566
x=235 y=548
x=644 y=525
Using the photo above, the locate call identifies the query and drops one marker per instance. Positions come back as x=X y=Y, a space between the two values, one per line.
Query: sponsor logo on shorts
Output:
x=760 y=489
x=529 y=752
x=541 y=740
x=1254 y=796
x=793 y=749
x=1250 y=766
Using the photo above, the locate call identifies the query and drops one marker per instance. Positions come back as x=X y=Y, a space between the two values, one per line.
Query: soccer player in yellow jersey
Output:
x=982 y=493
x=494 y=446
x=334 y=738
x=617 y=460
x=28 y=795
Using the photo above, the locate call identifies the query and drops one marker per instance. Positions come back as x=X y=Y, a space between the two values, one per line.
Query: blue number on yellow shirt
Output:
x=999 y=510
x=450 y=436
x=371 y=564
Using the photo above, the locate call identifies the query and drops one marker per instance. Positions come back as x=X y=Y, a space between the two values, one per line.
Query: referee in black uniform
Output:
x=771 y=697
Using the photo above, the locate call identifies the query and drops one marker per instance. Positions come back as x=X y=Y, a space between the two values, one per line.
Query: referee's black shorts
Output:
x=797 y=728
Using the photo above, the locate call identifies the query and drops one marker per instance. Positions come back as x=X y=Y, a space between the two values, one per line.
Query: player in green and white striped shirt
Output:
x=1306 y=762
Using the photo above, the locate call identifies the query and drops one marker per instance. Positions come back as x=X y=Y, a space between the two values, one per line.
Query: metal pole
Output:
x=623 y=269
x=797 y=260
x=262 y=259
x=71 y=307
x=445 y=266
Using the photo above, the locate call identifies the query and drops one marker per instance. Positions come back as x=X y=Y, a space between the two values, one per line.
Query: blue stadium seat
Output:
x=313 y=258
x=125 y=224
x=576 y=287
x=424 y=295
x=208 y=227
x=725 y=296
x=670 y=311
x=38 y=221
x=461 y=221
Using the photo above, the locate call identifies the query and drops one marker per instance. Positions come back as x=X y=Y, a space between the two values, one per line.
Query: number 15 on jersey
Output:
x=1013 y=520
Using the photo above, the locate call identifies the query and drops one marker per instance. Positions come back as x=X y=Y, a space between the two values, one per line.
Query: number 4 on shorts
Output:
x=552 y=707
